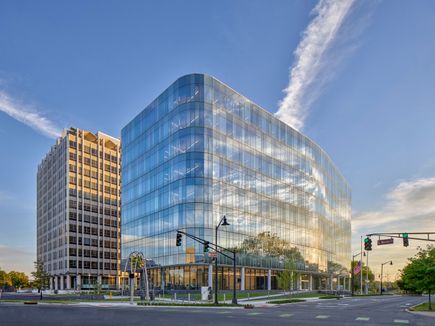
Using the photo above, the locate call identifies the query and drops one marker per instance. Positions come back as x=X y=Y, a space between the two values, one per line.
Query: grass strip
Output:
x=422 y=307
x=286 y=301
x=330 y=297
x=187 y=304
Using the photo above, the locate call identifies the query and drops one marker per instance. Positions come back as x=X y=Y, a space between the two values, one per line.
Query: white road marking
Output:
x=286 y=315
x=363 y=318
x=401 y=321
x=322 y=316
x=255 y=313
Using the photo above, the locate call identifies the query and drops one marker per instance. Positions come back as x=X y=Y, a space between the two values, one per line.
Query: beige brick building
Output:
x=78 y=211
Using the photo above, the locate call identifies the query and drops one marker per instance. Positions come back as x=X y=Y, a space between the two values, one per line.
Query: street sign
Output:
x=385 y=241
x=212 y=254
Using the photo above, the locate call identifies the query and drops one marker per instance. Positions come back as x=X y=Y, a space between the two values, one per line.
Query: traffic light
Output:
x=179 y=239
x=206 y=246
x=367 y=244
x=405 y=239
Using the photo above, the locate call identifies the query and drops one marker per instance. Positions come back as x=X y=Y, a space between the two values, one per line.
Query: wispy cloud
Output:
x=319 y=36
x=409 y=207
x=23 y=113
x=410 y=202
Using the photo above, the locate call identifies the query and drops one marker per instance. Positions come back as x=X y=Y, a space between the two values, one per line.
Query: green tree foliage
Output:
x=18 y=279
x=40 y=276
x=267 y=244
x=286 y=278
x=419 y=275
x=357 y=281
x=5 y=280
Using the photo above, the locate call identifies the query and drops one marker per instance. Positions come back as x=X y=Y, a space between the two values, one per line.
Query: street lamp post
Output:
x=382 y=270
x=223 y=222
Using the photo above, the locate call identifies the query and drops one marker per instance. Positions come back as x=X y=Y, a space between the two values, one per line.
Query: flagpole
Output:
x=361 y=272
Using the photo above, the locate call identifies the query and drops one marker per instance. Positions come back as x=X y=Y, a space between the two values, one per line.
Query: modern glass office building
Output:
x=200 y=151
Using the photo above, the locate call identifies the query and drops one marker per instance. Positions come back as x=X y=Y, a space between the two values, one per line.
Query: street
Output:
x=387 y=310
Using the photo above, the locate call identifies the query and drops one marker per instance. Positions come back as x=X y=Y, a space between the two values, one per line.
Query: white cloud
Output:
x=408 y=207
x=407 y=203
x=28 y=116
x=310 y=57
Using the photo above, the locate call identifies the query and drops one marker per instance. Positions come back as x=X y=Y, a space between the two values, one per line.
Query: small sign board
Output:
x=212 y=254
x=385 y=241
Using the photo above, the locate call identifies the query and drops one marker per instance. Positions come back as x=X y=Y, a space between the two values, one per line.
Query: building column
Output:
x=79 y=282
x=298 y=282
x=51 y=283
x=68 y=282
x=61 y=282
x=210 y=275
x=269 y=280
x=56 y=283
x=162 y=279
x=310 y=285
x=242 y=279
x=118 y=282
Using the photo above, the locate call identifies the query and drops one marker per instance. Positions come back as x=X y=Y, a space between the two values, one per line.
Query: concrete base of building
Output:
x=78 y=282
x=193 y=277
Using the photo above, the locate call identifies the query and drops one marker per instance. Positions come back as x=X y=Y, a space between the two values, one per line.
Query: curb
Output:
x=420 y=313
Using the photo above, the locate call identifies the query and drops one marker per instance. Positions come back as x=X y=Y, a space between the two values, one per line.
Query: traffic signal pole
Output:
x=219 y=250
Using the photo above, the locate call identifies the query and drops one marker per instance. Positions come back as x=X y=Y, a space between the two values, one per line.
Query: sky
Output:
x=356 y=77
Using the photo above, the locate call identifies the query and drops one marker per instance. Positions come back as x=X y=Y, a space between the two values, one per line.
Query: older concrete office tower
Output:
x=78 y=211
x=200 y=151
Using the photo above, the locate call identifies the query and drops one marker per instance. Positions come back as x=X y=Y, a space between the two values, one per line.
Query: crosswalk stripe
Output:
x=401 y=321
x=322 y=316
x=223 y=312
x=286 y=315
x=255 y=313
x=363 y=318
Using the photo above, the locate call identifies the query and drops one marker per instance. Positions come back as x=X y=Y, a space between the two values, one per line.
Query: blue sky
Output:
x=96 y=64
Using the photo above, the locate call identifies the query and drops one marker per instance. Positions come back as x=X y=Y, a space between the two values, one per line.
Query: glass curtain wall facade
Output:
x=200 y=151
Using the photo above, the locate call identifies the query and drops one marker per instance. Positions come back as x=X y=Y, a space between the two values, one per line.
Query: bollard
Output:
x=175 y=296
x=248 y=296
x=224 y=298
x=188 y=297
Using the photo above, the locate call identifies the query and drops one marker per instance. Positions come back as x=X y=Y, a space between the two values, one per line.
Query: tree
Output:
x=18 y=279
x=286 y=278
x=5 y=280
x=266 y=244
x=419 y=275
x=40 y=276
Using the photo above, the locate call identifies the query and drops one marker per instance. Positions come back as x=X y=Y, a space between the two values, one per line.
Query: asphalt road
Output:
x=388 y=310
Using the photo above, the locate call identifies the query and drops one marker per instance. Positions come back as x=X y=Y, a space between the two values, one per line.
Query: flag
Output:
x=357 y=268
